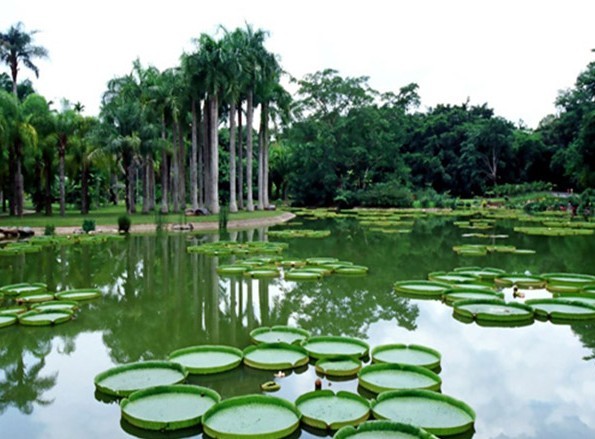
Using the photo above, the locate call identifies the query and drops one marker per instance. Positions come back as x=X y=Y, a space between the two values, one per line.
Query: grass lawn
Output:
x=108 y=216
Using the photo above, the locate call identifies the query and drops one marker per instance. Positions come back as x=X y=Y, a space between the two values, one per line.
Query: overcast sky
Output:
x=514 y=55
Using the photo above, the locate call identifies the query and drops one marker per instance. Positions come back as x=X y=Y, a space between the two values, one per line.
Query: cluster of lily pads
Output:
x=484 y=249
x=476 y=295
x=37 y=243
x=31 y=304
x=299 y=233
x=403 y=379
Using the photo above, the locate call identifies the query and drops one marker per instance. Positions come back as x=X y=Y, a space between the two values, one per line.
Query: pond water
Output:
x=526 y=382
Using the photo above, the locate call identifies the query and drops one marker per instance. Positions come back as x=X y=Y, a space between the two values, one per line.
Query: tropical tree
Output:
x=16 y=46
x=66 y=125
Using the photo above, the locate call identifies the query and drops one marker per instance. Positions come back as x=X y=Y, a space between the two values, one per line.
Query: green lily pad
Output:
x=34 y=297
x=493 y=311
x=569 y=279
x=486 y=273
x=387 y=376
x=275 y=356
x=251 y=417
x=207 y=359
x=415 y=355
x=232 y=269
x=352 y=270
x=13 y=310
x=262 y=273
x=588 y=298
x=436 y=413
x=326 y=410
x=454 y=295
x=325 y=346
x=561 y=309
x=383 y=430
x=79 y=294
x=452 y=277
x=168 y=407
x=44 y=317
x=68 y=305
x=22 y=288
x=127 y=378
x=301 y=274
x=7 y=320
x=564 y=289
x=278 y=334
x=520 y=280
x=340 y=366
x=422 y=288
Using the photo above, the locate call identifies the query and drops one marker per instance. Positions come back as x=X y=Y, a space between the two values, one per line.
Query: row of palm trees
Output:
x=154 y=124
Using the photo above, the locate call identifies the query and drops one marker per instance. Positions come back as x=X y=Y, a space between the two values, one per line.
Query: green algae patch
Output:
x=413 y=354
x=278 y=334
x=325 y=346
x=275 y=356
x=326 y=410
x=383 y=430
x=207 y=359
x=168 y=407
x=381 y=377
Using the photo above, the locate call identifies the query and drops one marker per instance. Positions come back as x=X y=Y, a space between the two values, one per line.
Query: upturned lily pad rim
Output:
x=72 y=304
x=380 y=367
x=320 y=366
x=13 y=289
x=520 y=280
x=152 y=364
x=9 y=320
x=428 y=394
x=173 y=357
x=560 y=315
x=453 y=295
x=402 y=287
x=458 y=308
x=402 y=346
x=251 y=400
x=232 y=269
x=325 y=424
x=276 y=366
x=336 y=339
x=301 y=274
x=484 y=273
x=80 y=293
x=13 y=310
x=571 y=279
x=65 y=316
x=35 y=297
x=383 y=426
x=302 y=334
x=439 y=276
x=262 y=273
x=151 y=424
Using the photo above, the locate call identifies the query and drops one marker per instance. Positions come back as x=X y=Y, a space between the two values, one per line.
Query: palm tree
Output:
x=17 y=46
x=66 y=125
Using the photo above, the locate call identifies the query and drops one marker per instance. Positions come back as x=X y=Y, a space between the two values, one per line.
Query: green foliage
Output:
x=88 y=225
x=223 y=218
x=49 y=230
x=385 y=195
x=124 y=223
x=513 y=189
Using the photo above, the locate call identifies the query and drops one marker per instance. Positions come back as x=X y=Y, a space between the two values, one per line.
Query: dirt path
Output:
x=211 y=225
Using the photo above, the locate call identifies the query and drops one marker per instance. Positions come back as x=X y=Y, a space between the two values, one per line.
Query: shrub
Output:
x=50 y=230
x=124 y=223
x=88 y=225
x=385 y=195
x=223 y=217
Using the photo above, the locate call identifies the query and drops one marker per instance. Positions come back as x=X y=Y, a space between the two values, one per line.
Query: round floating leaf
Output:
x=251 y=417
x=588 y=298
x=262 y=273
x=568 y=279
x=34 y=297
x=68 y=305
x=321 y=260
x=13 y=310
x=207 y=359
x=275 y=356
x=231 y=269
x=22 y=288
x=325 y=346
x=589 y=288
x=436 y=413
x=301 y=274
x=326 y=410
x=44 y=317
x=487 y=273
x=7 y=320
x=339 y=366
x=496 y=311
x=384 y=430
x=562 y=309
x=520 y=280
x=277 y=334
x=421 y=288
x=415 y=355
x=353 y=270
x=79 y=294
x=127 y=378
x=168 y=407
x=456 y=294
x=451 y=278
x=386 y=376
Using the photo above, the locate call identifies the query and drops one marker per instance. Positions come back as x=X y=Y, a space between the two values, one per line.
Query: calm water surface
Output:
x=530 y=382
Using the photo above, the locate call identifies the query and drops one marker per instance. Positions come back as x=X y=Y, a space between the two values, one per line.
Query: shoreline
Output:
x=189 y=226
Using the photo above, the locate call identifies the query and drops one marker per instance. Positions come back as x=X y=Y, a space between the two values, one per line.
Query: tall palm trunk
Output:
x=265 y=155
x=145 y=174
x=85 y=188
x=164 y=172
x=181 y=167
x=233 y=205
x=249 y=117
x=240 y=193
x=48 y=186
x=151 y=182
x=262 y=134
x=61 y=154
x=213 y=183
x=206 y=152
x=200 y=158
x=175 y=172
x=18 y=181
x=193 y=158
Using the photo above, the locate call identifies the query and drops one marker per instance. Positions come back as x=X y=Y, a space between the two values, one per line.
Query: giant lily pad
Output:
x=7 y=320
x=386 y=376
x=456 y=294
x=277 y=334
x=301 y=274
x=275 y=356
x=207 y=359
x=340 y=366
x=251 y=417
x=69 y=305
x=168 y=407
x=79 y=294
x=13 y=310
x=562 y=309
x=520 y=280
x=44 y=317
x=22 y=288
x=35 y=297
x=324 y=346
x=497 y=311
x=127 y=378
x=568 y=279
x=422 y=288
x=588 y=298
x=384 y=430
x=326 y=410
x=452 y=277
x=436 y=413
x=415 y=355
x=486 y=273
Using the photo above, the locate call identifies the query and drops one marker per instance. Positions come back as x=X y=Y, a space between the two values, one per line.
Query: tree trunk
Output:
x=85 y=189
x=181 y=167
x=175 y=172
x=206 y=151
x=130 y=184
x=12 y=181
x=18 y=183
x=151 y=182
x=164 y=173
x=200 y=159
x=145 y=171
x=48 y=186
x=193 y=164
x=261 y=147
x=233 y=205
x=249 y=116
x=265 y=156
x=240 y=192
x=213 y=186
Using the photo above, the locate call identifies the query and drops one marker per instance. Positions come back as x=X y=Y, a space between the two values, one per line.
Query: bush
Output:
x=50 y=230
x=385 y=195
x=124 y=223
x=223 y=217
x=88 y=225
